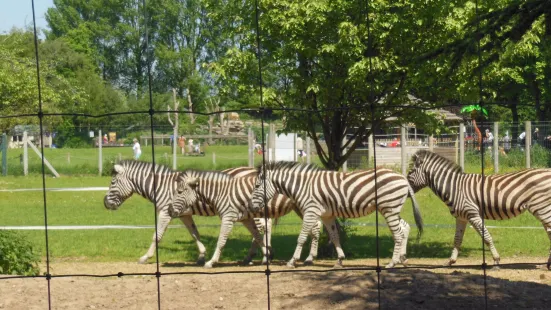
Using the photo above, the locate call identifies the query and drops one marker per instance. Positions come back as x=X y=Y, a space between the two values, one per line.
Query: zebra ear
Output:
x=193 y=182
x=118 y=168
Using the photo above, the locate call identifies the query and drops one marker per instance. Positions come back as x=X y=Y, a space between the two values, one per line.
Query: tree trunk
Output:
x=478 y=134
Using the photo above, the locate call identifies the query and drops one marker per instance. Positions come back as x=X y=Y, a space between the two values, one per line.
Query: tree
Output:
x=319 y=56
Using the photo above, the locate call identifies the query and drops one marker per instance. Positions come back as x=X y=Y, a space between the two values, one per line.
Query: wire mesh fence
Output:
x=374 y=131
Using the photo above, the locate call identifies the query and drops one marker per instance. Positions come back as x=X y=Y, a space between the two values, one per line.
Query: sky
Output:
x=18 y=13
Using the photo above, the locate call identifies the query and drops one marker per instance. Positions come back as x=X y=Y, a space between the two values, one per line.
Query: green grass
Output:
x=86 y=208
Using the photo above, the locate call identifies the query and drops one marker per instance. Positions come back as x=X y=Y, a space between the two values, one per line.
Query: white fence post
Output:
x=495 y=147
x=100 y=157
x=251 y=148
x=527 y=142
x=462 y=146
x=370 y=150
x=308 y=160
x=25 y=154
x=403 y=149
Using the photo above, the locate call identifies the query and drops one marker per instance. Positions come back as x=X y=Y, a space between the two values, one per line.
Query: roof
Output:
x=445 y=115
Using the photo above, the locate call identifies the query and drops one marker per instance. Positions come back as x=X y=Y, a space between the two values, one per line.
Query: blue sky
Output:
x=18 y=13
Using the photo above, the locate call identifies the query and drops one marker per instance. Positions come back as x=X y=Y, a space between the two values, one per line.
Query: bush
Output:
x=17 y=256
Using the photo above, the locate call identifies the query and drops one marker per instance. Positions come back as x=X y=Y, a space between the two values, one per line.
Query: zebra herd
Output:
x=249 y=195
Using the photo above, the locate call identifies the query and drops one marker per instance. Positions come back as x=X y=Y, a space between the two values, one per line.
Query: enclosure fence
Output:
x=388 y=145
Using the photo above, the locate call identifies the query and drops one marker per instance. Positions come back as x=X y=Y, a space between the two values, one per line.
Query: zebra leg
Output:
x=315 y=235
x=460 y=226
x=484 y=233
x=192 y=228
x=162 y=223
x=548 y=231
x=253 y=229
x=263 y=229
x=225 y=230
x=403 y=250
x=333 y=232
x=310 y=219
x=395 y=225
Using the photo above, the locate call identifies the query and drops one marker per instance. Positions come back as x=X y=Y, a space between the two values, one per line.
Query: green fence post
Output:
x=4 y=149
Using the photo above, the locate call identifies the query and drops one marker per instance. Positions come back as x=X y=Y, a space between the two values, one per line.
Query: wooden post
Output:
x=403 y=148
x=25 y=154
x=370 y=150
x=4 y=150
x=251 y=147
x=527 y=142
x=462 y=146
x=294 y=147
x=495 y=147
x=100 y=159
x=308 y=159
x=272 y=139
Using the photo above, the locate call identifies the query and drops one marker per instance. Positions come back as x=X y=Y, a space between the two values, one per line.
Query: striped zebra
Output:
x=328 y=194
x=505 y=196
x=129 y=177
x=200 y=193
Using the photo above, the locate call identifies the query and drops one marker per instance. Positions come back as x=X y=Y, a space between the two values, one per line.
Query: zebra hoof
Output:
x=200 y=261
x=208 y=265
x=308 y=263
x=548 y=265
x=291 y=265
x=449 y=263
x=390 y=265
x=496 y=267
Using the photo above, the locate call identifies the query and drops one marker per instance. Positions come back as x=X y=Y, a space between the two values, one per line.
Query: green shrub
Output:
x=17 y=256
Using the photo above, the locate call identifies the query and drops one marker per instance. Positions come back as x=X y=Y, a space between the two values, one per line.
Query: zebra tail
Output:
x=416 y=212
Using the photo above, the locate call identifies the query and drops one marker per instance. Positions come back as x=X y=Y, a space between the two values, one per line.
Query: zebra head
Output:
x=417 y=177
x=185 y=197
x=263 y=181
x=119 y=190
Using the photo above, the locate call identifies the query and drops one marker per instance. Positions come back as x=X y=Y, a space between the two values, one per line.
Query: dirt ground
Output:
x=526 y=287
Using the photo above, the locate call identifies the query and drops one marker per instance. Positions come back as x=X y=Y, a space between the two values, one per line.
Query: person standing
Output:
x=300 y=148
x=535 y=136
x=137 y=149
x=182 y=144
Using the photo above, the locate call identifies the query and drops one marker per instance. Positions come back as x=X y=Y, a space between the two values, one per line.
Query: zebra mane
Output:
x=143 y=165
x=425 y=155
x=288 y=165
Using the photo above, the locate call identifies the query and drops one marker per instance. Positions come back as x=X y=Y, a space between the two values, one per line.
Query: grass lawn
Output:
x=86 y=208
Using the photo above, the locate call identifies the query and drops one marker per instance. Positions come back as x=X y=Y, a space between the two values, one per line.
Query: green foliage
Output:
x=17 y=256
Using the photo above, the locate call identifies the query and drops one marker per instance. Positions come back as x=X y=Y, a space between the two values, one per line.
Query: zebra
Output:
x=329 y=194
x=129 y=177
x=505 y=196
x=199 y=192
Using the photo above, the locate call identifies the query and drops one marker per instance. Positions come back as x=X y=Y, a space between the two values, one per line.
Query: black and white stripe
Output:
x=503 y=196
x=329 y=194
x=129 y=177
x=201 y=193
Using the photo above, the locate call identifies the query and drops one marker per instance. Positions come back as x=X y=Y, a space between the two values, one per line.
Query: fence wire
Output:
x=380 y=139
